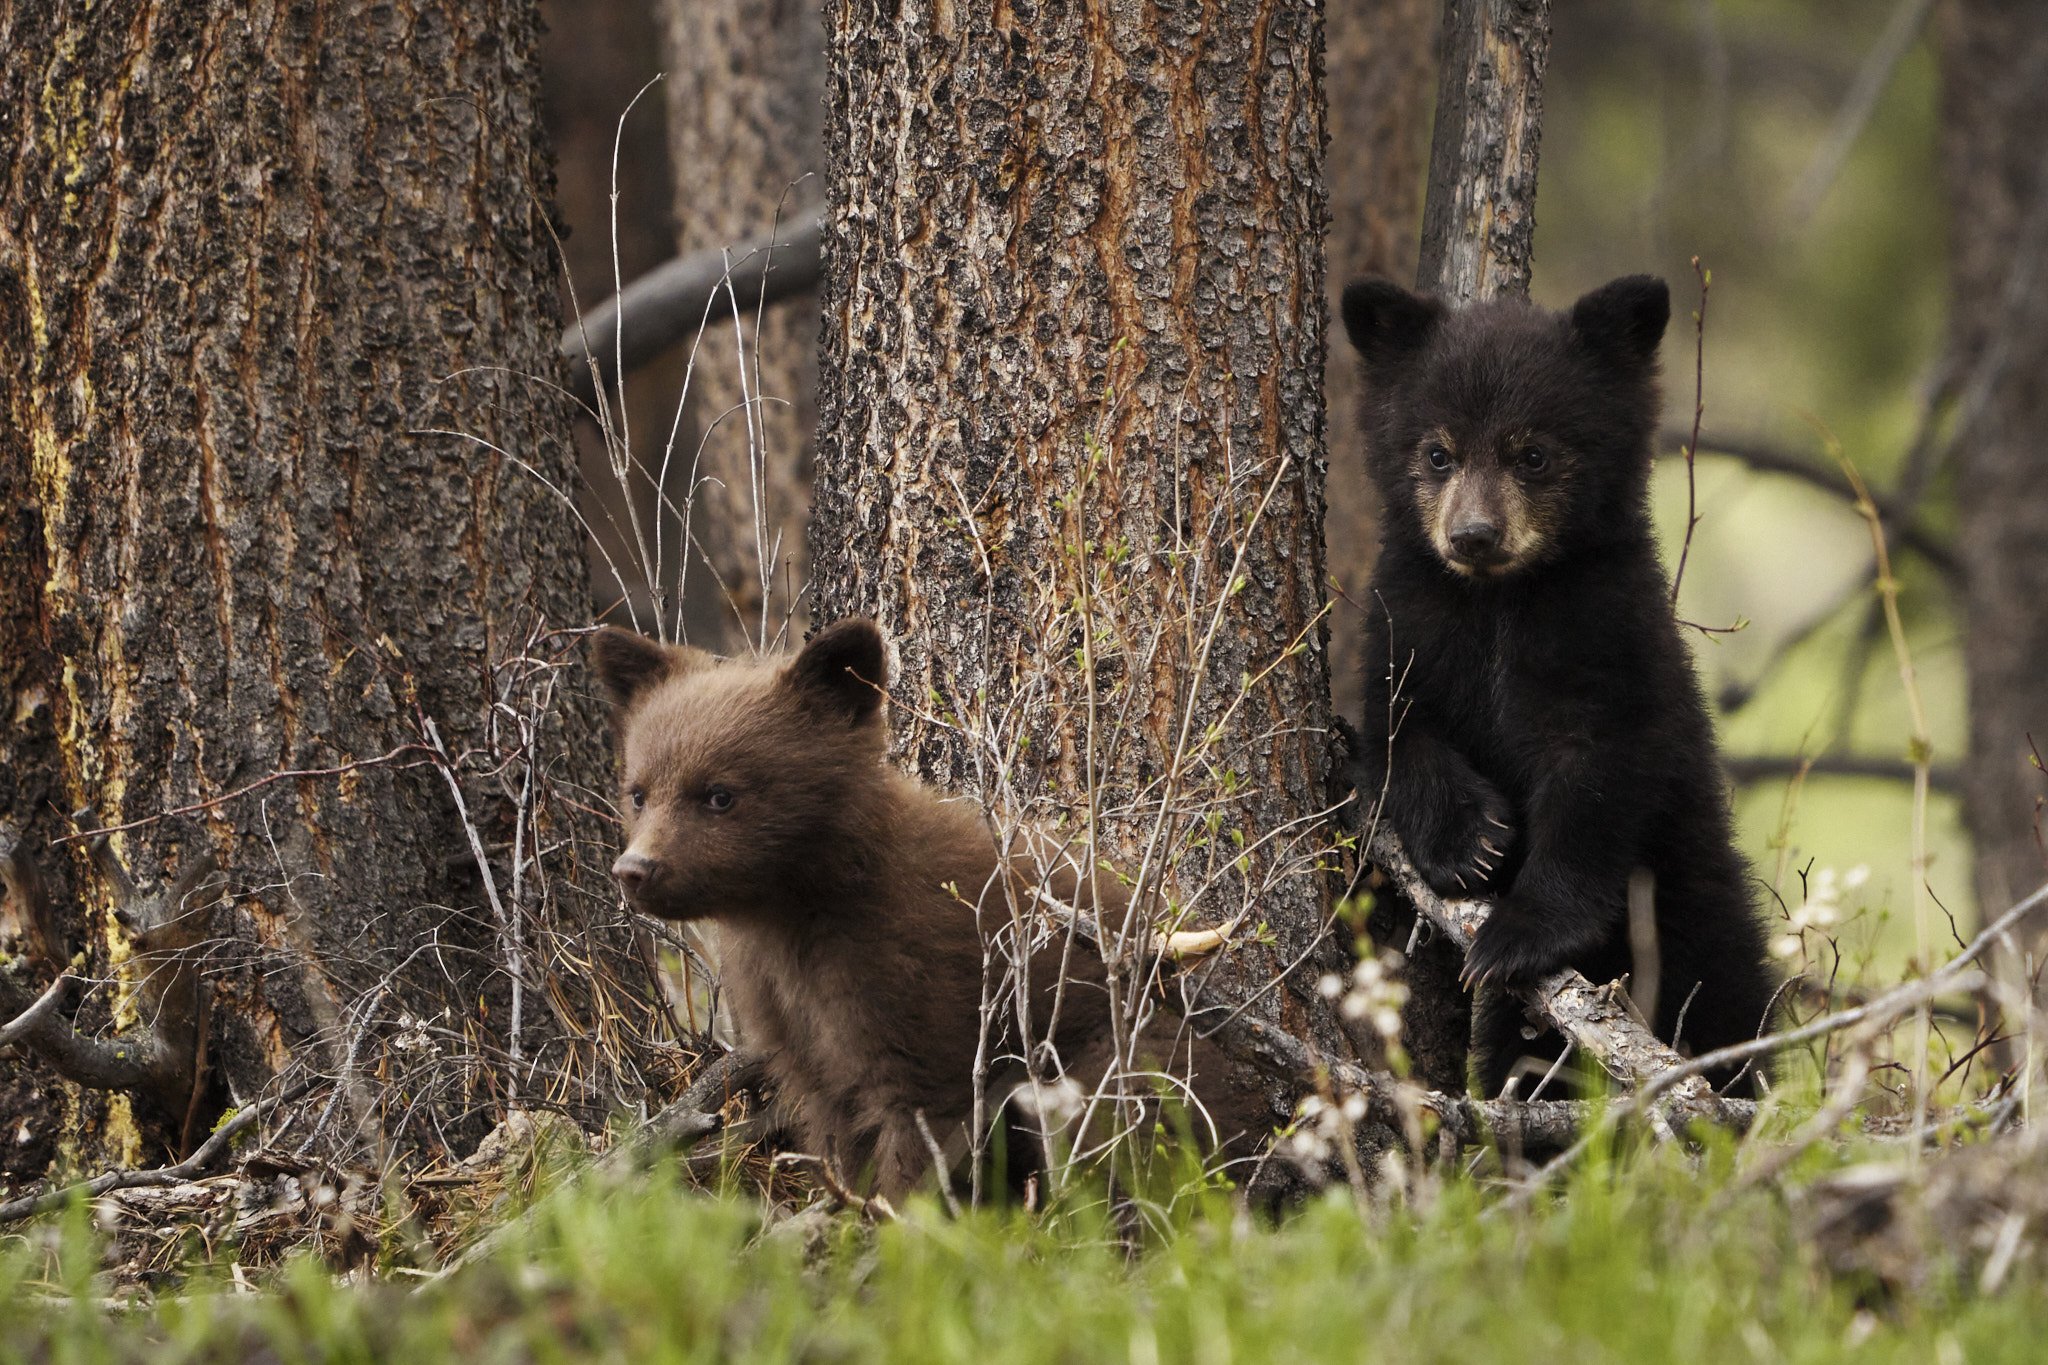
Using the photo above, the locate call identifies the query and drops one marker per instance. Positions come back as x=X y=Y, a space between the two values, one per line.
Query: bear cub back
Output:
x=855 y=907
x=1534 y=730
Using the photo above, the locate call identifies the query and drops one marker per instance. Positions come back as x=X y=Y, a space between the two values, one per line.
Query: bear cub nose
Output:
x=1476 y=539
x=632 y=871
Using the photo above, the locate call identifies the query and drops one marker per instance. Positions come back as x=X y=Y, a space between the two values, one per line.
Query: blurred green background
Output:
x=1727 y=131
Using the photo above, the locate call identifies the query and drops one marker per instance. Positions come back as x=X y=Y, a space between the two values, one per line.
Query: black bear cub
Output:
x=1533 y=730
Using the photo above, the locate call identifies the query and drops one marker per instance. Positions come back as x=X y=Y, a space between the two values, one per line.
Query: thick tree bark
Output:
x=246 y=253
x=1071 y=440
x=1995 y=70
x=1378 y=77
x=746 y=111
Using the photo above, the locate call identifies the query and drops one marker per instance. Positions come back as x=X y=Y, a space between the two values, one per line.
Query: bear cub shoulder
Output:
x=1533 y=727
x=855 y=908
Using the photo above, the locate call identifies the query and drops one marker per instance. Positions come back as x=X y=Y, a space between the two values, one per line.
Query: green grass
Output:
x=1650 y=1261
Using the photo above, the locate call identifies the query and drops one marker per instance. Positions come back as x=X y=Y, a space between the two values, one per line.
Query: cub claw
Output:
x=1453 y=847
x=1509 y=953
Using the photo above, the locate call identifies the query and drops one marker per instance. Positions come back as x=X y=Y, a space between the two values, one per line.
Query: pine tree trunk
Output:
x=246 y=255
x=1071 y=439
x=1995 y=67
x=746 y=91
x=1379 y=71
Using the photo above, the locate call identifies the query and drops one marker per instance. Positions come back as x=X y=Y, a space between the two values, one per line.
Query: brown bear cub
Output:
x=855 y=907
x=1533 y=729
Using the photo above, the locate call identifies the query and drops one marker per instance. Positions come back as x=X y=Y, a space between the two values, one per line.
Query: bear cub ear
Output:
x=1385 y=322
x=1624 y=320
x=628 y=664
x=843 y=668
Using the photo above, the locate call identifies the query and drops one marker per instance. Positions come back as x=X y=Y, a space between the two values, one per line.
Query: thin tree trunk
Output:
x=1479 y=220
x=1995 y=69
x=1071 y=435
x=246 y=255
x=745 y=115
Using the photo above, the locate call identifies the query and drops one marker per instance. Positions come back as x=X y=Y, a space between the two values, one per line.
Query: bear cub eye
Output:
x=1439 y=458
x=718 y=799
x=638 y=796
x=1534 y=460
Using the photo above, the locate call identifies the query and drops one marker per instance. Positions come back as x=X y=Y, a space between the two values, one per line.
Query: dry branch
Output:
x=676 y=298
x=1766 y=458
x=1595 y=1019
x=1954 y=975
x=209 y=1151
x=159 y=1059
x=1945 y=777
x=35 y=1013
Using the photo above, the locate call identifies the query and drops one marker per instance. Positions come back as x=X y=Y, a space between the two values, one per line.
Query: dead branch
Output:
x=1595 y=1018
x=676 y=298
x=1954 y=975
x=1764 y=767
x=44 y=1004
x=1766 y=458
x=159 y=1058
x=1289 y=1059
x=209 y=1151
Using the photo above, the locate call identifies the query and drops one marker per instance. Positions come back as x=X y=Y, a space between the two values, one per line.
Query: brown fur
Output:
x=757 y=795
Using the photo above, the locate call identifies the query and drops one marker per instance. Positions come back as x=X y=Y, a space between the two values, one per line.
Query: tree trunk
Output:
x=1071 y=437
x=1479 y=219
x=745 y=104
x=1995 y=68
x=1378 y=74
x=243 y=249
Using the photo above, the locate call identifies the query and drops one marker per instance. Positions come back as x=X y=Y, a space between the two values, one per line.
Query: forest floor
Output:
x=1651 y=1256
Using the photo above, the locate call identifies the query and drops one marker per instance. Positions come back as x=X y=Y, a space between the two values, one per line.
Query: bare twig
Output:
x=30 y=1205
x=1691 y=448
x=340 y=770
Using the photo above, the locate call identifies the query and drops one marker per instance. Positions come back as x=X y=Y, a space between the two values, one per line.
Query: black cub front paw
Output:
x=1460 y=845
x=1511 y=950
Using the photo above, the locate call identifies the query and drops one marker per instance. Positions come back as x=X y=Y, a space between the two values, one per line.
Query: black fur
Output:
x=1550 y=710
